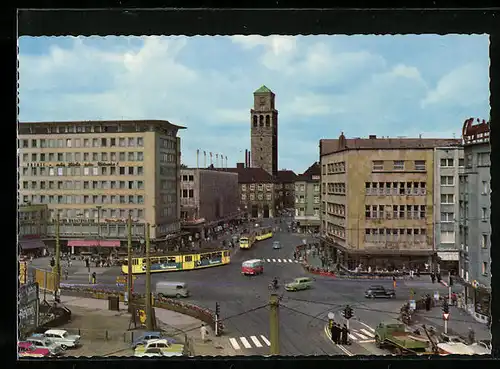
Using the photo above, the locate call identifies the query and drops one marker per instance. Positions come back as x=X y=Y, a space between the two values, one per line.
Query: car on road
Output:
x=150 y=352
x=27 y=349
x=142 y=340
x=302 y=283
x=378 y=291
x=172 y=289
x=276 y=245
x=45 y=343
x=168 y=349
x=62 y=338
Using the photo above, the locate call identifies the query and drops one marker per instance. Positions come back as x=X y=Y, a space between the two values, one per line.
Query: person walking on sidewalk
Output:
x=94 y=278
x=204 y=333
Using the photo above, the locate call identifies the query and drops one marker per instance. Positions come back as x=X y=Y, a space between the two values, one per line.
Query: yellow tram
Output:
x=264 y=233
x=172 y=262
x=247 y=241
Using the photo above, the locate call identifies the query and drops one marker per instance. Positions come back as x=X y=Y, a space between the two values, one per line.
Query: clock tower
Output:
x=264 y=131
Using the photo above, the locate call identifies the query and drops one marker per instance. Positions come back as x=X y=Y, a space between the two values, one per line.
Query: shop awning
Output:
x=31 y=244
x=94 y=243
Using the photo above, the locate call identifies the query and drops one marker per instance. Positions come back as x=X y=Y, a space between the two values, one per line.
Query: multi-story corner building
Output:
x=94 y=173
x=285 y=189
x=208 y=196
x=256 y=191
x=448 y=164
x=474 y=219
x=308 y=199
x=32 y=228
x=378 y=201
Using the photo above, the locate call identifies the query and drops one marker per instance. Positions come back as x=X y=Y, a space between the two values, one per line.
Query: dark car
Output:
x=377 y=291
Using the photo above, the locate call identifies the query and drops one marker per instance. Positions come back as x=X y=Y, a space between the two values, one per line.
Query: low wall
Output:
x=203 y=314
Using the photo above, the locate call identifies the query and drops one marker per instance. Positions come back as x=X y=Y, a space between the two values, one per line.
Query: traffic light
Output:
x=451 y=281
x=347 y=313
x=446 y=307
x=217 y=309
x=52 y=262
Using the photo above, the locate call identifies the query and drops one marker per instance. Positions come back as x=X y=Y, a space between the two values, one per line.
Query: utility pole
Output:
x=129 y=261
x=149 y=321
x=274 y=324
x=99 y=229
x=450 y=283
x=58 y=260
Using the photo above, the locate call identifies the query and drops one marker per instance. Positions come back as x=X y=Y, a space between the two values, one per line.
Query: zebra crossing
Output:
x=281 y=260
x=244 y=342
x=359 y=335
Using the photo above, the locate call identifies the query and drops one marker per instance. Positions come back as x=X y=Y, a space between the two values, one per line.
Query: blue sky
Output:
x=324 y=85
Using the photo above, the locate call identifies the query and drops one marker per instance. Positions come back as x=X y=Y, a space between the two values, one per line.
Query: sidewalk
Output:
x=168 y=320
x=458 y=323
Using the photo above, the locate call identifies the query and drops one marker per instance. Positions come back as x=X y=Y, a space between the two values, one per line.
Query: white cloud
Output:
x=463 y=85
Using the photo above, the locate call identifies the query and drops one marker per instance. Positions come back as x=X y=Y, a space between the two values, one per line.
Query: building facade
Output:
x=474 y=220
x=285 y=189
x=308 y=199
x=264 y=131
x=378 y=202
x=32 y=228
x=448 y=165
x=94 y=173
x=208 y=194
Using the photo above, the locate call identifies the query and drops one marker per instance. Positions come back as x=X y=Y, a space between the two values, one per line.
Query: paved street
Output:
x=303 y=314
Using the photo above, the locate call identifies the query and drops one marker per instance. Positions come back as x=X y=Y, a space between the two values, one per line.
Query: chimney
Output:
x=240 y=165
x=249 y=159
x=246 y=158
x=372 y=137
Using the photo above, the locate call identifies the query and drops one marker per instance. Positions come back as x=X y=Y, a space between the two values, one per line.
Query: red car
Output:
x=27 y=349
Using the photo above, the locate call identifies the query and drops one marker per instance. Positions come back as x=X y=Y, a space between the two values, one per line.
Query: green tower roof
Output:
x=263 y=89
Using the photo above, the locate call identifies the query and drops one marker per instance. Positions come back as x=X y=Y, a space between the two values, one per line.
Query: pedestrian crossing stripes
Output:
x=280 y=260
x=361 y=335
x=242 y=342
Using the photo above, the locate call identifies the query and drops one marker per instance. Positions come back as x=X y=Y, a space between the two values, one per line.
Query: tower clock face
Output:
x=262 y=101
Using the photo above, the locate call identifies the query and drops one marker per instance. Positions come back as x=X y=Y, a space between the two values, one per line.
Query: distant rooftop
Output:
x=105 y=122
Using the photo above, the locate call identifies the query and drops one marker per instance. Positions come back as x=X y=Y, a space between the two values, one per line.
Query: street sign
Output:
x=446 y=316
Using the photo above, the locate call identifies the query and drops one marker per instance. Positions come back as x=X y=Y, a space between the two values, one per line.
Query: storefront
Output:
x=448 y=261
x=31 y=246
x=94 y=246
x=482 y=303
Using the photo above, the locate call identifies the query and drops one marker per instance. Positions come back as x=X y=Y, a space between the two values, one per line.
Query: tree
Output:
x=184 y=166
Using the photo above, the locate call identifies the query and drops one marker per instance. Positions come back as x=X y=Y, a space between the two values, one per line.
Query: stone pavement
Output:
x=172 y=322
x=458 y=323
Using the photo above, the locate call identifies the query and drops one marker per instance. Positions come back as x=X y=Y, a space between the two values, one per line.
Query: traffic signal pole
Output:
x=149 y=315
x=129 y=262
x=274 y=324
x=58 y=259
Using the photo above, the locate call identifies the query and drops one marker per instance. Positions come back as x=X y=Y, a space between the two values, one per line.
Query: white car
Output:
x=150 y=352
x=62 y=338
x=42 y=342
x=167 y=348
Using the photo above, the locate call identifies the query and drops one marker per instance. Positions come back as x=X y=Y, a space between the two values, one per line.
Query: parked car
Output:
x=302 y=283
x=379 y=291
x=63 y=338
x=276 y=245
x=150 y=352
x=27 y=349
x=168 y=349
x=150 y=336
x=45 y=343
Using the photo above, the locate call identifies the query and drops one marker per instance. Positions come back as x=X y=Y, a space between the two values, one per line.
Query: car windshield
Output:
x=64 y=335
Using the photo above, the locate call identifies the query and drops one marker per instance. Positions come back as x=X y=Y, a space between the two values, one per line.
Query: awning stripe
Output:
x=94 y=243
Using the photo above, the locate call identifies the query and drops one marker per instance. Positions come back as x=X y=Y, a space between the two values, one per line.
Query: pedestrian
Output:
x=418 y=273
x=394 y=281
x=333 y=332
x=94 y=278
x=204 y=333
x=345 y=332
x=428 y=303
x=338 y=332
x=471 y=336
x=66 y=274
x=433 y=278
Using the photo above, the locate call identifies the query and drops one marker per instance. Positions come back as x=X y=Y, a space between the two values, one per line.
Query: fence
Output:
x=45 y=279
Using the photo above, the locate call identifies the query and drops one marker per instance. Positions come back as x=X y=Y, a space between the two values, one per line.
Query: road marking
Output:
x=290 y=260
x=368 y=333
x=366 y=341
x=245 y=342
x=234 y=343
x=284 y=260
x=279 y=260
x=268 y=260
x=329 y=336
x=256 y=341
x=360 y=336
x=266 y=341
x=274 y=260
x=367 y=326
x=352 y=337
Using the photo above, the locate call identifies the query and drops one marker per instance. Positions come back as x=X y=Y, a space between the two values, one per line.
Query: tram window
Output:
x=226 y=253
x=171 y=259
x=162 y=260
x=218 y=254
x=188 y=258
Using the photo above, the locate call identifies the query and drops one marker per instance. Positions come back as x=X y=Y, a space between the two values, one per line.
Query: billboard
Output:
x=27 y=309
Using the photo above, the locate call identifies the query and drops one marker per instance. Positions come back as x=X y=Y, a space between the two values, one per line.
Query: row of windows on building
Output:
x=83 y=171
x=287 y=186
x=335 y=230
x=260 y=187
x=334 y=188
x=187 y=178
x=382 y=235
x=167 y=158
x=187 y=193
x=334 y=209
x=259 y=121
x=105 y=213
x=302 y=211
x=260 y=196
x=302 y=200
x=85 y=185
x=332 y=168
x=378 y=165
x=464 y=213
x=86 y=142
x=395 y=188
x=83 y=199
x=395 y=211
x=86 y=156
x=168 y=144
x=302 y=188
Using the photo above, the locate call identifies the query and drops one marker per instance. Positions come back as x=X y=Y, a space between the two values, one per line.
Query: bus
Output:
x=177 y=261
x=264 y=233
x=247 y=241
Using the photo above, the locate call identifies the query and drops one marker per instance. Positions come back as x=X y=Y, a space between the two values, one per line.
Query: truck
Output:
x=393 y=335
